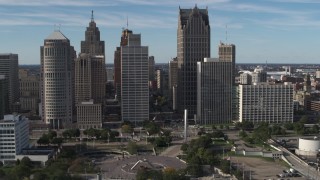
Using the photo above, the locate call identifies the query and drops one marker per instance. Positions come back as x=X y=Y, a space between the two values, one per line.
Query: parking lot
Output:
x=260 y=168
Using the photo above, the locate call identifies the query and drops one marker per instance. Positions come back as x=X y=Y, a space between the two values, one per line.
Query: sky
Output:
x=276 y=31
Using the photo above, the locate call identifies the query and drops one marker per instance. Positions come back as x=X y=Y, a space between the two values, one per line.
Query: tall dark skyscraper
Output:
x=193 y=46
x=117 y=62
x=9 y=68
x=90 y=74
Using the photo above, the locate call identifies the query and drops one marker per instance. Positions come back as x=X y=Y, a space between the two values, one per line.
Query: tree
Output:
x=152 y=128
x=57 y=141
x=43 y=140
x=40 y=176
x=315 y=129
x=225 y=166
x=132 y=148
x=51 y=135
x=126 y=128
x=25 y=161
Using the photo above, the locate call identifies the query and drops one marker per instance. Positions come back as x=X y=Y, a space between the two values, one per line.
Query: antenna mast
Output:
x=226 y=33
x=92 y=19
x=127 y=22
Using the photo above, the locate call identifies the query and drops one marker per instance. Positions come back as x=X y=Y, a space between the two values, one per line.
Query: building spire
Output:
x=92 y=19
x=127 y=22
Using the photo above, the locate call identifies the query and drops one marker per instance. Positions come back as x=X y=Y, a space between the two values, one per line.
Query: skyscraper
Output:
x=151 y=68
x=173 y=77
x=90 y=71
x=9 y=68
x=134 y=80
x=57 y=57
x=214 y=91
x=3 y=87
x=117 y=62
x=193 y=46
x=227 y=52
x=90 y=79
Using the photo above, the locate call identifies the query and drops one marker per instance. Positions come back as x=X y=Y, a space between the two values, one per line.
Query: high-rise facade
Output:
x=29 y=91
x=193 y=38
x=173 y=76
x=57 y=60
x=151 y=68
x=134 y=80
x=264 y=102
x=117 y=62
x=90 y=71
x=227 y=52
x=3 y=96
x=9 y=68
x=214 y=92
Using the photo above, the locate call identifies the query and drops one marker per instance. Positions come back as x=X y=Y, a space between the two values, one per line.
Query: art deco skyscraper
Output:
x=56 y=79
x=193 y=46
x=9 y=68
x=117 y=62
x=90 y=71
x=134 y=80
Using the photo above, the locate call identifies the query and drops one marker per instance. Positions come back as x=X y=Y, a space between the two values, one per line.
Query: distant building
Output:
x=14 y=136
x=227 y=53
x=245 y=78
x=134 y=80
x=9 y=67
x=29 y=91
x=3 y=95
x=57 y=78
x=109 y=72
x=173 y=77
x=264 y=102
x=117 y=62
x=151 y=68
x=193 y=44
x=89 y=115
x=215 y=83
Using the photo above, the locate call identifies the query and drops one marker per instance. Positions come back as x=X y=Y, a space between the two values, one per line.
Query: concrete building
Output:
x=151 y=68
x=193 y=44
x=9 y=67
x=29 y=91
x=89 y=115
x=3 y=95
x=215 y=83
x=245 y=78
x=90 y=77
x=57 y=75
x=14 y=136
x=264 y=102
x=117 y=62
x=227 y=52
x=173 y=77
x=134 y=80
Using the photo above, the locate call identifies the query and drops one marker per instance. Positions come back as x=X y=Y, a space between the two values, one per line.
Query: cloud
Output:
x=297 y=1
x=49 y=3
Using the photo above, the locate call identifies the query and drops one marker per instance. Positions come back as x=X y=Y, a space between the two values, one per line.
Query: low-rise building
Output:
x=14 y=137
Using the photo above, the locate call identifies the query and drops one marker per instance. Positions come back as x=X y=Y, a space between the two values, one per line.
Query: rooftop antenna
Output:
x=127 y=22
x=92 y=19
x=226 y=33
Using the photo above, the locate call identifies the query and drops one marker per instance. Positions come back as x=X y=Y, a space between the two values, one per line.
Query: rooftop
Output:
x=56 y=35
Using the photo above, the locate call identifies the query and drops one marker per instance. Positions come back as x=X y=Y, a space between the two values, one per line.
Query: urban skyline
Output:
x=275 y=31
